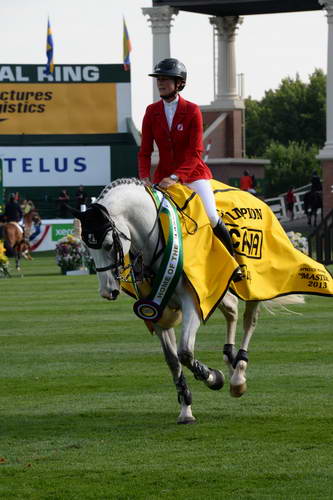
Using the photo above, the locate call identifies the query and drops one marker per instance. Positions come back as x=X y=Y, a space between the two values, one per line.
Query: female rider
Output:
x=176 y=126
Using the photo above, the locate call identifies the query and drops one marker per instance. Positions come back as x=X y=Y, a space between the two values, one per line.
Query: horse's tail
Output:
x=279 y=303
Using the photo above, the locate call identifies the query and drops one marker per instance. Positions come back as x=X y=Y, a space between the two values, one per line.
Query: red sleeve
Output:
x=146 y=148
x=195 y=146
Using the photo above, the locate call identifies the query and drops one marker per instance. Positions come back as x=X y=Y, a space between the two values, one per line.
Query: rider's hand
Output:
x=166 y=182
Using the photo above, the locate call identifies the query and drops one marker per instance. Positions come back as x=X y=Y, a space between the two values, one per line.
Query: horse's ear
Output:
x=75 y=212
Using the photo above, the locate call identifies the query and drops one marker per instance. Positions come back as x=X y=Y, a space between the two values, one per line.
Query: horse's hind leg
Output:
x=169 y=346
x=17 y=252
x=238 y=379
x=18 y=261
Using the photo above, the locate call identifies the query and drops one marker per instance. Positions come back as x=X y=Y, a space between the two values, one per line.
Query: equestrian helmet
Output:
x=173 y=68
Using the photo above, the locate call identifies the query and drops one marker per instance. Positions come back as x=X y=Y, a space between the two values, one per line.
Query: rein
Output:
x=181 y=210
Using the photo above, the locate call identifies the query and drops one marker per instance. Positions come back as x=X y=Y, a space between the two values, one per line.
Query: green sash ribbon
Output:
x=169 y=273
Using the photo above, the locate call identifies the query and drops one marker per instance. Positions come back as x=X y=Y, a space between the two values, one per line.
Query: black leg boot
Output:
x=222 y=233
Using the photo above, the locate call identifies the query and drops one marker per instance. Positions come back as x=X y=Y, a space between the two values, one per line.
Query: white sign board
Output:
x=37 y=166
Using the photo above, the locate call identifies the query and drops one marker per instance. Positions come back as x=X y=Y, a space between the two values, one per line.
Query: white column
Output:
x=160 y=19
x=225 y=30
x=327 y=151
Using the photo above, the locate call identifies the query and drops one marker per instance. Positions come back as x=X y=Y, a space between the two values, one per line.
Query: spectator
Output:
x=246 y=182
x=81 y=197
x=13 y=212
x=254 y=184
x=315 y=182
x=291 y=199
x=63 y=199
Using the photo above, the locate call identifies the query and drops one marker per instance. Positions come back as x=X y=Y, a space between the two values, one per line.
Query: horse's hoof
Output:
x=215 y=380
x=186 y=420
x=236 y=391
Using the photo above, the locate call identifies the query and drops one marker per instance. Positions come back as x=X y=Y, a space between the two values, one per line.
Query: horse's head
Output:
x=108 y=243
x=36 y=219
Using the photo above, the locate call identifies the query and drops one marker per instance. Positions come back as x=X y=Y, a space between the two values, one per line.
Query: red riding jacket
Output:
x=180 y=148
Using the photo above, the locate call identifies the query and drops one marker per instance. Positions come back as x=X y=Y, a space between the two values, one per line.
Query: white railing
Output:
x=278 y=204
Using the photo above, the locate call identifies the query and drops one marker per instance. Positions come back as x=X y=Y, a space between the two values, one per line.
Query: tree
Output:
x=290 y=165
x=293 y=112
x=288 y=127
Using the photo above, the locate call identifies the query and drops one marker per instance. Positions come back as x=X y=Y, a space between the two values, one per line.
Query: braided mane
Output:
x=120 y=182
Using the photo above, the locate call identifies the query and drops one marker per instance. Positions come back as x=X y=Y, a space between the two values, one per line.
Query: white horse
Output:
x=124 y=219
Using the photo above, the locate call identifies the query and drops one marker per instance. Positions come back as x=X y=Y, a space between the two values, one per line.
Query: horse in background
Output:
x=313 y=201
x=15 y=242
x=30 y=217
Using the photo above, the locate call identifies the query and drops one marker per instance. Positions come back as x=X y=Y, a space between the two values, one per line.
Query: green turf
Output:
x=88 y=409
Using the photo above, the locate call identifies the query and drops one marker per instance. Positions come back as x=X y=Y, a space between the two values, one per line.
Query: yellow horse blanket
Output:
x=271 y=265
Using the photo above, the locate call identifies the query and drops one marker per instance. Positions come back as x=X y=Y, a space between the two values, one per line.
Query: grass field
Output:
x=88 y=409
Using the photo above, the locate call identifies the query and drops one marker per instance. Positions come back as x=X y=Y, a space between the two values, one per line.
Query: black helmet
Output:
x=171 y=67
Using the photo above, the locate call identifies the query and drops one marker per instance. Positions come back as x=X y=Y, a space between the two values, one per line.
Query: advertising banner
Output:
x=2 y=201
x=55 y=165
x=76 y=99
x=45 y=236
x=61 y=230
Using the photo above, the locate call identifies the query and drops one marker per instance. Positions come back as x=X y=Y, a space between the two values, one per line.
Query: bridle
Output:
x=95 y=239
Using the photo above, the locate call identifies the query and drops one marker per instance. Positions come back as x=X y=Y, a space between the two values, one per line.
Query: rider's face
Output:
x=165 y=85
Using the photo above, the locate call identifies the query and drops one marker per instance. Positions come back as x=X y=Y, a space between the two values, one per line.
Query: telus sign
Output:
x=56 y=166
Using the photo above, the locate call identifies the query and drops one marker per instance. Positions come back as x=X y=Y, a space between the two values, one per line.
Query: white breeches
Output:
x=203 y=188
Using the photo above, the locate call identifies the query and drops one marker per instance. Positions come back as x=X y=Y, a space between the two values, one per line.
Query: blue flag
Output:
x=127 y=47
x=49 y=50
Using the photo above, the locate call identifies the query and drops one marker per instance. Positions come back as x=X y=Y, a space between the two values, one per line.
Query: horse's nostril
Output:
x=114 y=294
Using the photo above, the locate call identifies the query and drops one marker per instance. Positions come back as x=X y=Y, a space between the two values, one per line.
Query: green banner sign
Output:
x=2 y=193
x=61 y=230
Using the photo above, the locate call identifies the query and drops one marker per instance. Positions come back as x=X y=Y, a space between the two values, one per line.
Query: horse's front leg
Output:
x=238 y=379
x=313 y=217
x=169 y=346
x=214 y=379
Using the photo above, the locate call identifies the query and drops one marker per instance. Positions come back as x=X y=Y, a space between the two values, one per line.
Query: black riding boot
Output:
x=222 y=233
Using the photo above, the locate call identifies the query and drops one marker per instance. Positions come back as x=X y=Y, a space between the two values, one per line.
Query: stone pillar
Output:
x=160 y=19
x=229 y=139
x=225 y=29
x=326 y=154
